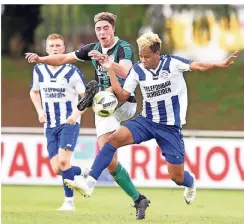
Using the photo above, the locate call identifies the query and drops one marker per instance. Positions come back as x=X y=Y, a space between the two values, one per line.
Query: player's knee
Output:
x=113 y=140
x=116 y=140
x=63 y=163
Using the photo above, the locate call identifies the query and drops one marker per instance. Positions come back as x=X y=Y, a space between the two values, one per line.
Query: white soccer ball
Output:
x=104 y=103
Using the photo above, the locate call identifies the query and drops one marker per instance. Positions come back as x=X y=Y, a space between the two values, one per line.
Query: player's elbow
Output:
x=33 y=92
x=122 y=96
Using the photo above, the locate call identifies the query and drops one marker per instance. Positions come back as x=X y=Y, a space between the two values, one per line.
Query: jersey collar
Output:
x=105 y=50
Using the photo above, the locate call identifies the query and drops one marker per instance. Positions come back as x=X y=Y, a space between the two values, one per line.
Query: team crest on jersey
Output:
x=163 y=74
x=62 y=81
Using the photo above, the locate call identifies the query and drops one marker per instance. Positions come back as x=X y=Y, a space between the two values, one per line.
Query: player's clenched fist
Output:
x=42 y=117
x=32 y=57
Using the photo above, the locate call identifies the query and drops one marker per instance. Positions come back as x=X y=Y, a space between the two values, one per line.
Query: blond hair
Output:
x=55 y=36
x=105 y=16
x=149 y=40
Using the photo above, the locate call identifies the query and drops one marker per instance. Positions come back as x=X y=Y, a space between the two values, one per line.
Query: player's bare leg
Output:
x=181 y=177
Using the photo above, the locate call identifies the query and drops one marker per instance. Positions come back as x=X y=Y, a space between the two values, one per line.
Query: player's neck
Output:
x=155 y=66
x=112 y=43
x=53 y=68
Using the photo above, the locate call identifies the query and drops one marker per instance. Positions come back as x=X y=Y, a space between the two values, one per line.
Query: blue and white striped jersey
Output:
x=59 y=91
x=164 y=90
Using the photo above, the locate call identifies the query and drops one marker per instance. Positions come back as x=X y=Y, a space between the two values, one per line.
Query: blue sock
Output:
x=188 y=179
x=76 y=170
x=68 y=174
x=102 y=160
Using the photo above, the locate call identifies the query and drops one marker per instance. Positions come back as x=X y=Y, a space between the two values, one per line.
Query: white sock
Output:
x=69 y=199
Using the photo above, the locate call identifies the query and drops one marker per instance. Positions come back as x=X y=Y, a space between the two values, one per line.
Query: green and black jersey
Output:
x=122 y=50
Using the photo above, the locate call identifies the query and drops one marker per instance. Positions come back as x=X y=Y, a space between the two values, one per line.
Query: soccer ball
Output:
x=104 y=103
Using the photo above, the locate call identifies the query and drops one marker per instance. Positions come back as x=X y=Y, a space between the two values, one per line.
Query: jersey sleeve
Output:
x=79 y=81
x=181 y=64
x=35 y=79
x=131 y=81
x=82 y=53
x=125 y=52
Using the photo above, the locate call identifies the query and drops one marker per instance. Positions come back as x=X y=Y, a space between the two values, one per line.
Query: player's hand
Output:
x=94 y=54
x=73 y=117
x=107 y=63
x=32 y=57
x=42 y=117
x=228 y=61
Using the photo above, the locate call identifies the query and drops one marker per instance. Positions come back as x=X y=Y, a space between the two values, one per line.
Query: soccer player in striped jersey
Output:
x=54 y=93
x=121 y=53
x=164 y=94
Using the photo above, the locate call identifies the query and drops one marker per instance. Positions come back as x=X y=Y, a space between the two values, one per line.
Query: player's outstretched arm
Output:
x=54 y=60
x=120 y=93
x=205 y=66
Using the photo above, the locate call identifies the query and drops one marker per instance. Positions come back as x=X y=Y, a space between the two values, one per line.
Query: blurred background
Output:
x=214 y=133
x=198 y=32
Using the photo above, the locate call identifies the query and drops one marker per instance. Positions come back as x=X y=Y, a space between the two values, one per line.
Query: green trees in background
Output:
x=26 y=25
x=19 y=23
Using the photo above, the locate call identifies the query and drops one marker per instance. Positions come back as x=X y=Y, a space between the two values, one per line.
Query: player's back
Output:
x=59 y=91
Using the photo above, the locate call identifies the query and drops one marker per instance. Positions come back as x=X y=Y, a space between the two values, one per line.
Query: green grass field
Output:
x=36 y=205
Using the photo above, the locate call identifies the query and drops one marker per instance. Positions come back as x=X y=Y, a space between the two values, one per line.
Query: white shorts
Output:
x=108 y=124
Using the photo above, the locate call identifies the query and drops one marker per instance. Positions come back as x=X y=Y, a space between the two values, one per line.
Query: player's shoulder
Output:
x=178 y=58
x=73 y=67
x=124 y=43
x=88 y=47
x=137 y=67
x=38 y=66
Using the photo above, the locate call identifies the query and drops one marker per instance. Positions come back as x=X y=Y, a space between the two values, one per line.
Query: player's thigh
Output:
x=136 y=130
x=68 y=135
x=52 y=142
x=126 y=111
x=106 y=125
x=170 y=141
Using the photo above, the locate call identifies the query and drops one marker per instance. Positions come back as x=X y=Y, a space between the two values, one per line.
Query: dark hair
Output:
x=155 y=47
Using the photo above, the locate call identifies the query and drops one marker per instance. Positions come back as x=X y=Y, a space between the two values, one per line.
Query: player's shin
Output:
x=68 y=174
x=102 y=160
x=188 y=179
x=77 y=170
x=122 y=178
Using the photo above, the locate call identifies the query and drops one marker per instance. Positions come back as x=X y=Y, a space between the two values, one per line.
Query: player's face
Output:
x=105 y=33
x=55 y=47
x=149 y=59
